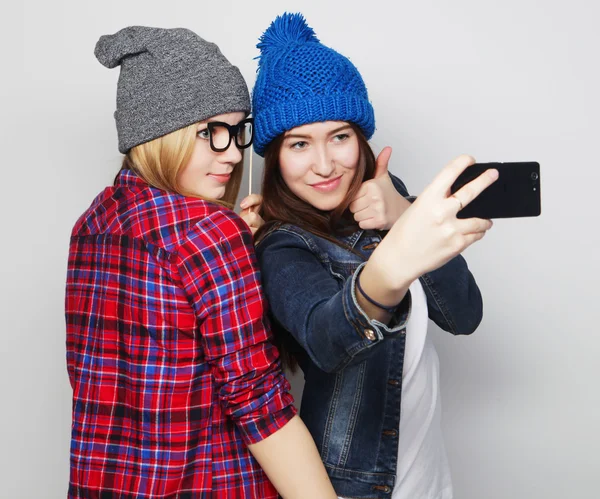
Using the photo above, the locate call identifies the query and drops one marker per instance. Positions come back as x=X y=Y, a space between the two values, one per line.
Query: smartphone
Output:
x=516 y=193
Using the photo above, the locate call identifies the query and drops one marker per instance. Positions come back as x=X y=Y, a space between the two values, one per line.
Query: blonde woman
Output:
x=177 y=390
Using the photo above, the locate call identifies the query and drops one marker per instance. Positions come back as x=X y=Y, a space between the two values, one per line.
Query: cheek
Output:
x=348 y=156
x=192 y=177
x=293 y=169
x=196 y=163
x=183 y=178
x=188 y=176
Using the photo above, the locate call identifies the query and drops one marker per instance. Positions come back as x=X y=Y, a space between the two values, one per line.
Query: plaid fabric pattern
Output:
x=168 y=354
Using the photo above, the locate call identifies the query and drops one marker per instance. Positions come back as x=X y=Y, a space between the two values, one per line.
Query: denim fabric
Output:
x=353 y=365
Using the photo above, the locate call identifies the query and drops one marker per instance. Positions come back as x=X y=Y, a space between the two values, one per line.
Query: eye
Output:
x=301 y=144
x=340 y=137
x=204 y=134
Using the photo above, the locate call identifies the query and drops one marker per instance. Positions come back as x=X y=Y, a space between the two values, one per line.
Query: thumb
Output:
x=381 y=163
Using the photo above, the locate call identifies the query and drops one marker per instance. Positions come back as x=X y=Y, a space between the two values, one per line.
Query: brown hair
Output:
x=281 y=205
x=159 y=162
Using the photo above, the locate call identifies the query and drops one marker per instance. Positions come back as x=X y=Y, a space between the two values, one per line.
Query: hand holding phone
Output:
x=516 y=193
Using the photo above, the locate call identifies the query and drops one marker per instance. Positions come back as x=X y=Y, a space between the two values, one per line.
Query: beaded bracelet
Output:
x=389 y=310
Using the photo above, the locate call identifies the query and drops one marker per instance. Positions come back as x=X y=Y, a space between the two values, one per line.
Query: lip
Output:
x=328 y=185
x=222 y=178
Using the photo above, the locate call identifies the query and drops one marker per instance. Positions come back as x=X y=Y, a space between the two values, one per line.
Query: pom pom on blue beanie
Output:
x=302 y=81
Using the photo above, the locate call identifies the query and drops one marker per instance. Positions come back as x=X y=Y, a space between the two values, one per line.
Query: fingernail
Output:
x=244 y=204
x=493 y=173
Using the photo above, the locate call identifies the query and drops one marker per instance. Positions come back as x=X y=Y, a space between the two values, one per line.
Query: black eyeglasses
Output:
x=220 y=134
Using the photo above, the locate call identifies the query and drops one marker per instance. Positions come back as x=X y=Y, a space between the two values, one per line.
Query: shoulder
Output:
x=215 y=260
x=171 y=221
x=219 y=227
x=287 y=243
x=97 y=216
x=286 y=234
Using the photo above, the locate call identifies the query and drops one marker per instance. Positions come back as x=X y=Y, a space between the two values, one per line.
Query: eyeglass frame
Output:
x=233 y=131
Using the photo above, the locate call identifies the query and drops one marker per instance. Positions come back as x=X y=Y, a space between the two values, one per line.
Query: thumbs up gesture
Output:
x=378 y=204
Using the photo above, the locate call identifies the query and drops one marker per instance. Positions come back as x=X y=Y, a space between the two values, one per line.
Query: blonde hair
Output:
x=159 y=162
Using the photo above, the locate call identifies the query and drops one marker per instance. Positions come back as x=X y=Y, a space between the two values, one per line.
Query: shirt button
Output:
x=370 y=334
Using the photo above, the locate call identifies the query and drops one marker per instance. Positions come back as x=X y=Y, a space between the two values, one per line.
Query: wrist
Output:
x=391 y=266
x=385 y=287
x=390 y=309
x=399 y=207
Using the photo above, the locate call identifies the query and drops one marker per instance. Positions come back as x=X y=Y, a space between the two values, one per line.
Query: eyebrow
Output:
x=300 y=136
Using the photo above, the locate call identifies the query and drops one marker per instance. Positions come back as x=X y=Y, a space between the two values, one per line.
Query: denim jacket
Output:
x=353 y=365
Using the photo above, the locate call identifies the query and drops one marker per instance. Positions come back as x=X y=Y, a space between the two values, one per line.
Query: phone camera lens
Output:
x=534 y=176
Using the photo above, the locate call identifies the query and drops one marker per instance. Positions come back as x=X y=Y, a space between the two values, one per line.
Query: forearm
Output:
x=306 y=300
x=372 y=284
x=322 y=318
x=290 y=459
x=375 y=282
x=338 y=332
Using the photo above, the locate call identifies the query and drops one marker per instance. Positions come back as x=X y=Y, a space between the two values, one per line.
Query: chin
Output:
x=327 y=205
x=209 y=194
x=218 y=194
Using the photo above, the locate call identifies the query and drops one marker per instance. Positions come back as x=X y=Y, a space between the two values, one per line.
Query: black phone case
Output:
x=515 y=194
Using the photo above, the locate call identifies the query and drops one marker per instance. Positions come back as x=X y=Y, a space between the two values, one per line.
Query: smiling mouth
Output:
x=223 y=178
x=328 y=185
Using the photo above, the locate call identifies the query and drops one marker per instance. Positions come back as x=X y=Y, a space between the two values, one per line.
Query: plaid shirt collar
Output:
x=129 y=178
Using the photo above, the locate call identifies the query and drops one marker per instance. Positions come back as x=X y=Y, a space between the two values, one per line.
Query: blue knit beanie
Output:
x=302 y=81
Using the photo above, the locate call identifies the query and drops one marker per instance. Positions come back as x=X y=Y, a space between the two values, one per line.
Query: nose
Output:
x=323 y=163
x=231 y=155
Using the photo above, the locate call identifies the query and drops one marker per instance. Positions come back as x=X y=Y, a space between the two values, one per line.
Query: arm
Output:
x=453 y=297
x=426 y=242
x=292 y=462
x=217 y=268
x=323 y=315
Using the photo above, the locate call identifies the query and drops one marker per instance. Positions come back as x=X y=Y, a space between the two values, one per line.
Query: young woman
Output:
x=349 y=303
x=177 y=390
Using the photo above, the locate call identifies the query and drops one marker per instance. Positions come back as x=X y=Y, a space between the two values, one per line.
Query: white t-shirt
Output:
x=422 y=471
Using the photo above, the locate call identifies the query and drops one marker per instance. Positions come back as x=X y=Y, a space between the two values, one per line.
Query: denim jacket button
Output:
x=371 y=246
x=382 y=488
x=393 y=382
x=370 y=335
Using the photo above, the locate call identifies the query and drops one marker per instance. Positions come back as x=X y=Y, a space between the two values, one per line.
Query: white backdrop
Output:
x=502 y=80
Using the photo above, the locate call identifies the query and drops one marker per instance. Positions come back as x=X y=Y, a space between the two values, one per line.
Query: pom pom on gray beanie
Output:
x=170 y=78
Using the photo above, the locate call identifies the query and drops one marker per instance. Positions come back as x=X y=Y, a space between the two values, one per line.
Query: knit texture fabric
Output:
x=302 y=81
x=170 y=78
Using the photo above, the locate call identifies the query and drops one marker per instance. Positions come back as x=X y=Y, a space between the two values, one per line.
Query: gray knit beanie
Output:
x=170 y=78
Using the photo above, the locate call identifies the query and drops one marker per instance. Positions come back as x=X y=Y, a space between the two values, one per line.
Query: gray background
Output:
x=503 y=81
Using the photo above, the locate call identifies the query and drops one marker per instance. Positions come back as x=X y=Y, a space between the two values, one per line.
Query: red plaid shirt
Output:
x=170 y=361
